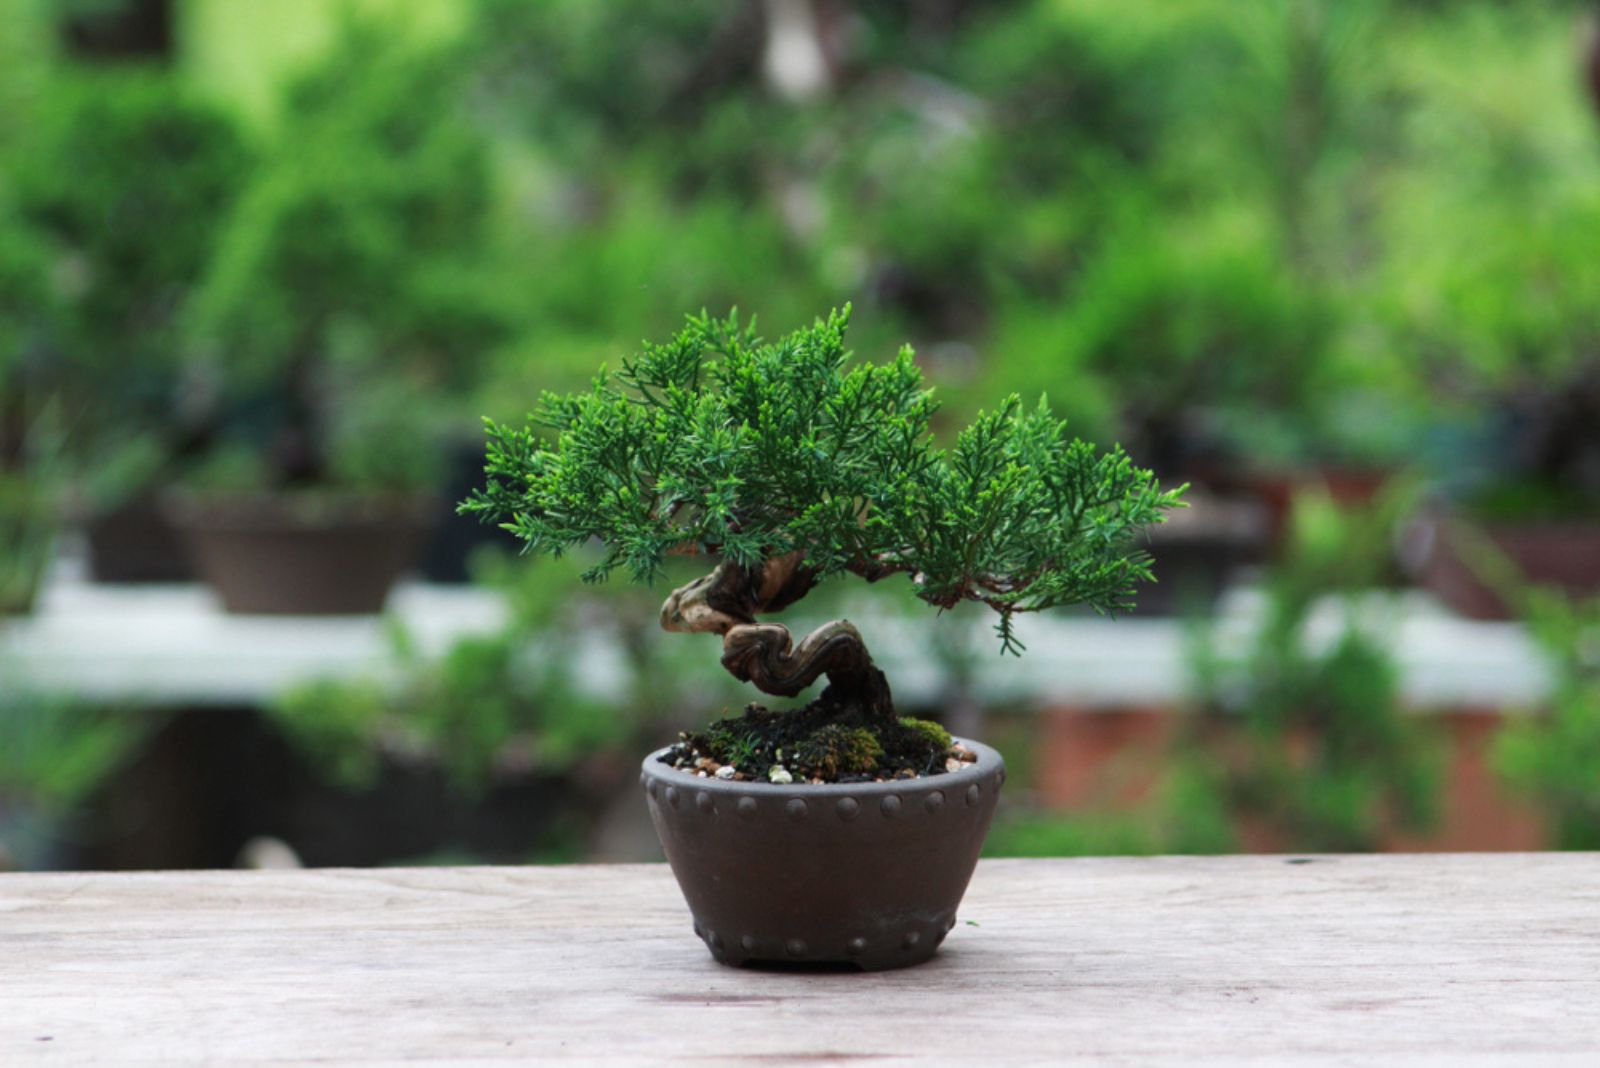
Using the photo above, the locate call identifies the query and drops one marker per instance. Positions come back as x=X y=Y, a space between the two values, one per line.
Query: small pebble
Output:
x=953 y=764
x=906 y=773
x=727 y=771
x=780 y=774
x=962 y=753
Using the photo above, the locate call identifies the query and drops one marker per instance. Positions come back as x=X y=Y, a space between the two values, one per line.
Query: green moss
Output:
x=837 y=749
x=823 y=740
x=935 y=735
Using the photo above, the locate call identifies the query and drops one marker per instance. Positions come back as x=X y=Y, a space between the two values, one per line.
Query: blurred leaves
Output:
x=1303 y=739
x=353 y=279
x=54 y=753
x=527 y=698
x=1551 y=754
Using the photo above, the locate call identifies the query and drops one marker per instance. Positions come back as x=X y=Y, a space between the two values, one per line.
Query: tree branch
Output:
x=727 y=601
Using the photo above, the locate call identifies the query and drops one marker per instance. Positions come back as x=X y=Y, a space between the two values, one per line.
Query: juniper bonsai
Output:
x=794 y=463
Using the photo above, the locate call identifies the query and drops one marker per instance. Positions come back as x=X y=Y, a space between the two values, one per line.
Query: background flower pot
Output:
x=325 y=555
x=868 y=874
x=1564 y=555
x=1196 y=551
x=134 y=542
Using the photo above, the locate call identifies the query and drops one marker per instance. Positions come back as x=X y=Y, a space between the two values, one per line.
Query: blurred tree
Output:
x=30 y=469
x=351 y=295
x=518 y=700
x=1303 y=740
x=124 y=177
x=1553 y=753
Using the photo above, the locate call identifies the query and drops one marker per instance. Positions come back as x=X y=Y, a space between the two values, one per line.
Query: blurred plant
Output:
x=31 y=491
x=55 y=754
x=1048 y=835
x=526 y=698
x=31 y=475
x=589 y=78
x=350 y=296
x=124 y=175
x=1302 y=737
x=1553 y=754
x=1187 y=327
x=1486 y=281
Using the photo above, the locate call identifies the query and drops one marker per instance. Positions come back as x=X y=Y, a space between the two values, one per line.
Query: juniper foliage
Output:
x=720 y=442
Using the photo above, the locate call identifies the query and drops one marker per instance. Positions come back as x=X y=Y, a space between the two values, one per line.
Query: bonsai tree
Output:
x=794 y=464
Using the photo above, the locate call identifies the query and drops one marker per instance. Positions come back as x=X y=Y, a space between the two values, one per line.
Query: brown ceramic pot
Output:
x=1562 y=555
x=287 y=556
x=1196 y=551
x=863 y=874
x=134 y=542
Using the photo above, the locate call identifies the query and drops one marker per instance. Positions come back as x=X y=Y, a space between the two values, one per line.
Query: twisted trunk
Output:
x=727 y=601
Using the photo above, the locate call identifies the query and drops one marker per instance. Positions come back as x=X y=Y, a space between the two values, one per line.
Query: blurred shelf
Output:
x=173 y=645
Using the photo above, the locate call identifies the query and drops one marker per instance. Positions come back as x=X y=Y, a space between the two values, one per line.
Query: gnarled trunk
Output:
x=727 y=601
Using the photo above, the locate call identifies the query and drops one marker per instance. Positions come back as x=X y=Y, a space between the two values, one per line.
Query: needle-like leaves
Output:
x=720 y=442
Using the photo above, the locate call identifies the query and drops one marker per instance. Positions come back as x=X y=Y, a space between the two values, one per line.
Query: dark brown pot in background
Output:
x=134 y=542
x=864 y=874
x=1197 y=550
x=301 y=555
x=1348 y=487
x=1438 y=551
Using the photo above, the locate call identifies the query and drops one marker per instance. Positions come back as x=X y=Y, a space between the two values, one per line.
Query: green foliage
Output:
x=1552 y=754
x=54 y=753
x=719 y=442
x=512 y=700
x=123 y=177
x=26 y=305
x=32 y=489
x=28 y=526
x=1306 y=738
x=351 y=281
x=1044 y=835
x=585 y=75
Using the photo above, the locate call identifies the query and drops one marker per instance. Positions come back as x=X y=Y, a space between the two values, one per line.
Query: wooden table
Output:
x=1433 y=960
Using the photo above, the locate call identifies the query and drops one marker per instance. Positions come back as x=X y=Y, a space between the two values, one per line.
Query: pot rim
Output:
x=989 y=760
x=292 y=512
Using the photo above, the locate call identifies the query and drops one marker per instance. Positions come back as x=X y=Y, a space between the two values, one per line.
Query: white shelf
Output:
x=173 y=645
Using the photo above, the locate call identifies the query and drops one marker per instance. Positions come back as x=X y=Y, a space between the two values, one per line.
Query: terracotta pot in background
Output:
x=864 y=874
x=1197 y=552
x=457 y=538
x=292 y=555
x=1564 y=555
x=1348 y=487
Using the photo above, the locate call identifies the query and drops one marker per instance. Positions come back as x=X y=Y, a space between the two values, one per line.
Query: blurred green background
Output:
x=1333 y=262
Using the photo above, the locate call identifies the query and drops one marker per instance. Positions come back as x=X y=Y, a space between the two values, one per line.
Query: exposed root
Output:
x=727 y=601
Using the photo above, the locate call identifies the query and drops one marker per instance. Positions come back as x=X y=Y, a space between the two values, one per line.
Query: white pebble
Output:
x=780 y=775
x=727 y=771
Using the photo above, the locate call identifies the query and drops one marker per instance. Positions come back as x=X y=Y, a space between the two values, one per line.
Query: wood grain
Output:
x=1431 y=960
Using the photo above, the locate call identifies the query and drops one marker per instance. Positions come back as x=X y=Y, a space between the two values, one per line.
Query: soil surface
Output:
x=825 y=741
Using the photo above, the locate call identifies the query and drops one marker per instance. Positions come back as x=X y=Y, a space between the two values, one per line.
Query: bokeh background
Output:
x=263 y=267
